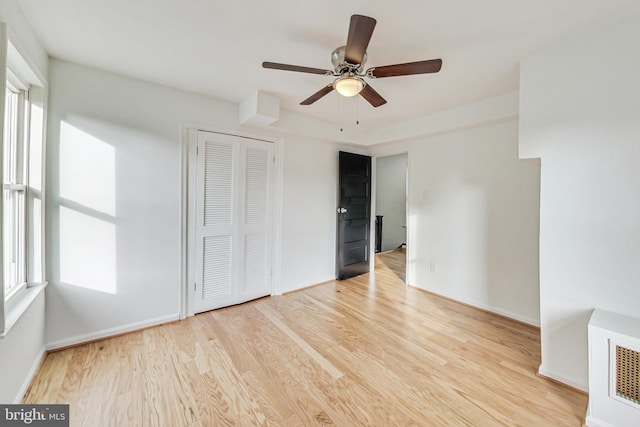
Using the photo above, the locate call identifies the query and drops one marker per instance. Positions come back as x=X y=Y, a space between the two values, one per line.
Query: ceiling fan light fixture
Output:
x=348 y=85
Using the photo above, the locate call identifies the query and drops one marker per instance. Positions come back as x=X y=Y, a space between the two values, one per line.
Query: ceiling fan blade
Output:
x=372 y=96
x=319 y=94
x=360 y=31
x=287 y=67
x=419 y=67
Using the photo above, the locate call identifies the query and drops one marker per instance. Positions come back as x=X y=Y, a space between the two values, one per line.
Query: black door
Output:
x=354 y=213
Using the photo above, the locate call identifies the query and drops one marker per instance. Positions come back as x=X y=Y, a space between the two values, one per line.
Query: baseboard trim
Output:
x=111 y=332
x=484 y=307
x=304 y=288
x=510 y=315
x=30 y=375
x=595 y=422
x=552 y=376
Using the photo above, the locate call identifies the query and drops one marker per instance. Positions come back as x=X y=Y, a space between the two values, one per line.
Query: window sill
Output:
x=18 y=305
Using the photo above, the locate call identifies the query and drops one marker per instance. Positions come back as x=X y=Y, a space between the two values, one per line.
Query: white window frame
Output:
x=27 y=182
x=15 y=169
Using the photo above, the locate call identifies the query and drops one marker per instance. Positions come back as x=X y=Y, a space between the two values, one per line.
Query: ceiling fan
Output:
x=348 y=62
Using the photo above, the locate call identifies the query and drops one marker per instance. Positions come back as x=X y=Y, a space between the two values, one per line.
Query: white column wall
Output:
x=579 y=110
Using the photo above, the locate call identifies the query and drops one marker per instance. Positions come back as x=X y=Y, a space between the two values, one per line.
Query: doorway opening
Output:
x=391 y=178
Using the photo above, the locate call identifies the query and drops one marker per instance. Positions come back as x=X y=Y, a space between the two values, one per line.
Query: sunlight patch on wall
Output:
x=87 y=203
x=87 y=251
x=87 y=170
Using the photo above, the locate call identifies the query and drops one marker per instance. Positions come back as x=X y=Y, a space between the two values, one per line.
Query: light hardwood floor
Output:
x=395 y=261
x=366 y=351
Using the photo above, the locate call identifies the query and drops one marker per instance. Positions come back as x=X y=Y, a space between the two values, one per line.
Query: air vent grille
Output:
x=628 y=374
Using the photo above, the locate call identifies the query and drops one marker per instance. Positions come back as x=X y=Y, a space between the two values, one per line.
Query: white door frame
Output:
x=409 y=267
x=187 y=213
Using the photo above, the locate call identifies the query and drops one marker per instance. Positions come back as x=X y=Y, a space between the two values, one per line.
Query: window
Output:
x=16 y=119
x=22 y=119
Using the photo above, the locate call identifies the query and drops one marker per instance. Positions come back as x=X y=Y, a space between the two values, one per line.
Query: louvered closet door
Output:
x=233 y=220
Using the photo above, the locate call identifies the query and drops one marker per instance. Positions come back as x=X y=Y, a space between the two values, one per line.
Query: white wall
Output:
x=473 y=219
x=22 y=36
x=309 y=213
x=113 y=230
x=22 y=348
x=391 y=199
x=21 y=352
x=580 y=110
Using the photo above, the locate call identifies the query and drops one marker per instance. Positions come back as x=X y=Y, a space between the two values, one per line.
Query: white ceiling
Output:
x=216 y=47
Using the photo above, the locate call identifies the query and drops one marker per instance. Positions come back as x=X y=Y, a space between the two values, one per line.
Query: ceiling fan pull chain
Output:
x=341 y=112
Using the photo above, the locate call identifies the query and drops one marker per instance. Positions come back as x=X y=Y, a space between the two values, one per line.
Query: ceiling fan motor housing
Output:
x=341 y=66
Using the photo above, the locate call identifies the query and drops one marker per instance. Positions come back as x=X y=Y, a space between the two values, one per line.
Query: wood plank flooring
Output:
x=367 y=351
x=394 y=261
